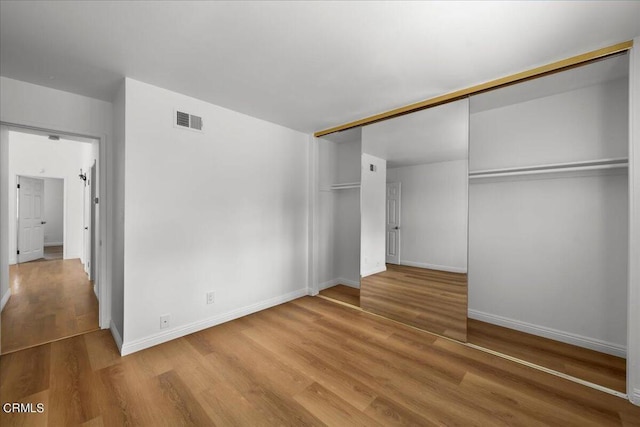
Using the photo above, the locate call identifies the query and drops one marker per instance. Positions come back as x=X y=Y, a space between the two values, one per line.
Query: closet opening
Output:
x=546 y=263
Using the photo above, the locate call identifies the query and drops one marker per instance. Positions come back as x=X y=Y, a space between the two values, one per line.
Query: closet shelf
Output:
x=588 y=165
x=345 y=185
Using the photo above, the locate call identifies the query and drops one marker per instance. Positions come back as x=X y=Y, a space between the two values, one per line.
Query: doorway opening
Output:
x=53 y=242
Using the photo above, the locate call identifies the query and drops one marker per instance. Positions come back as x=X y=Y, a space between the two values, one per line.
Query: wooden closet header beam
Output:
x=493 y=84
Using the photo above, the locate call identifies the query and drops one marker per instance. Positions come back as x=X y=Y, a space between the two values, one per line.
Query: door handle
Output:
x=396 y=228
x=43 y=222
x=86 y=228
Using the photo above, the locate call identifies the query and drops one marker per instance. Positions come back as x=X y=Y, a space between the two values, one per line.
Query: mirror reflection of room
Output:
x=414 y=219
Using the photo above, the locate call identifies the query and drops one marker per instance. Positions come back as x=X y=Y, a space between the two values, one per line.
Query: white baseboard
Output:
x=116 y=335
x=348 y=282
x=634 y=397
x=171 y=334
x=5 y=299
x=339 y=281
x=376 y=271
x=53 y=244
x=554 y=334
x=433 y=266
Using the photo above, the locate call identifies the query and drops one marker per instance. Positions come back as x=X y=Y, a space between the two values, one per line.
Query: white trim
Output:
x=350 y=283
x=375 y=271
x=633 y=296
x=554 y=334
x=314 y=209
x=171 y=334
x=116 y=335
x=339 y=281
x=5 y=299
x=53 y=244
x=433 y=266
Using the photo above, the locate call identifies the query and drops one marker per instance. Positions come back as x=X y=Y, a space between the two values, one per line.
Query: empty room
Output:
x=319 y=213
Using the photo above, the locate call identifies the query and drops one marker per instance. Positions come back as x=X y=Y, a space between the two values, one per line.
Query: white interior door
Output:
x=30 y=219
x=393 y=223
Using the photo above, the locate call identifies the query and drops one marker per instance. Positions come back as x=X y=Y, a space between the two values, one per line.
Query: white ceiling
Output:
x=429 y=136
x=305 y=65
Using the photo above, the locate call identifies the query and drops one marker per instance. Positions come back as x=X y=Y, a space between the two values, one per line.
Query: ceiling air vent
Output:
x=187 y=121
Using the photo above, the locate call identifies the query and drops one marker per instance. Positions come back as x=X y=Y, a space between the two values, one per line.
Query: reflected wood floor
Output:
x=432 y=300
x=343 y=293
x=306 y=362
x=598 y=368
x=49 y=300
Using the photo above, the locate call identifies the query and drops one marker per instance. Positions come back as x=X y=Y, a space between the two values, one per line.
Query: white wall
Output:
x=548 y=254
x=372 y=206
x=36 y=156
x=339 y=214
x=347 y=214
x=117 y=231
x=225 y=210
x=585 y=124
x=27 y=104
x=433 y=215
x=5 y=291
x=327 y=175
x=54 y=211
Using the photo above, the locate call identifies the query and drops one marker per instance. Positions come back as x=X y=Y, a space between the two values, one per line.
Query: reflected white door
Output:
x=30 y=219
x=393 y=223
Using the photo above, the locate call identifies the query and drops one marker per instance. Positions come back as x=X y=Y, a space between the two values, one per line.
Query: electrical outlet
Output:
x=164 y=321
x=211 y=297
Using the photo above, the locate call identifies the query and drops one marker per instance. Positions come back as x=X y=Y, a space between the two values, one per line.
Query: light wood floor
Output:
x=307 y=362
x=598 y=368
x=49 y=300
x=432 y=300
x=346 y=294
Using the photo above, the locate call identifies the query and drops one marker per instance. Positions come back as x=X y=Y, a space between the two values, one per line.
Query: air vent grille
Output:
x=182 y=119
x=188 y=121
x=196 y=122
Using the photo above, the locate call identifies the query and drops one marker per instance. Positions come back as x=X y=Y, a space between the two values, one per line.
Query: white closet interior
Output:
x=339 y=209
x=548 y=206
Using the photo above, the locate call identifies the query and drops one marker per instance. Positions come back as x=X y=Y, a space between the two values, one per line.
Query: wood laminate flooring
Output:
x=306 y=362
x=598 y=368
x=49 y=300
x=346 y=294
x=432 y=300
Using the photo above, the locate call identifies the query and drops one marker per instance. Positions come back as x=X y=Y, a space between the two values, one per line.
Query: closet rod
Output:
x=549 y=170
x=553 y=67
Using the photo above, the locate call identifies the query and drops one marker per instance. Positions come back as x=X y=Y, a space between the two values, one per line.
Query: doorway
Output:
x=52 y=273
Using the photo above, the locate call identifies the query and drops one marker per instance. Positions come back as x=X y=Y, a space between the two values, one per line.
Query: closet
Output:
x=339 y=210
x=548 y=207
x=548 y=215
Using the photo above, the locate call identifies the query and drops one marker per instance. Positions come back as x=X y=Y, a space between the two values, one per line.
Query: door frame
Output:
x=103 y=274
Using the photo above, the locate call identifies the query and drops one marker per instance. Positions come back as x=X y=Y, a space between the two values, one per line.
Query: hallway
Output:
x=49 y=300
